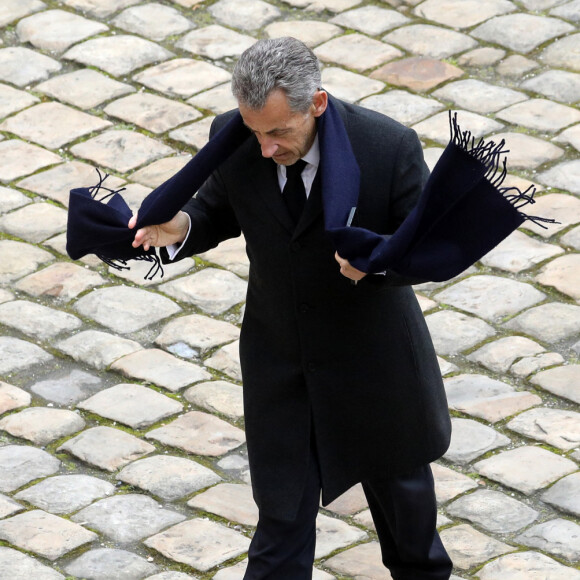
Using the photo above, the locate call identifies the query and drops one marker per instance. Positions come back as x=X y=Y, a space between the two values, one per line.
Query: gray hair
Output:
x=279 y=63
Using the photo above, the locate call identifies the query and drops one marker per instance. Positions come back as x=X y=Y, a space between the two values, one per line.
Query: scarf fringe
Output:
x=118 y=264
x=493 y=157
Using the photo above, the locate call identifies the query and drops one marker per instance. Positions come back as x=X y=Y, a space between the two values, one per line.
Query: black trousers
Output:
x=404 y=511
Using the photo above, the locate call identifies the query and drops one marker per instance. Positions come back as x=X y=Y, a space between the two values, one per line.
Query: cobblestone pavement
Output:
x=122 y=446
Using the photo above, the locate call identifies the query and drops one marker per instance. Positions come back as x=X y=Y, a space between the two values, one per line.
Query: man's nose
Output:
x=269 y=147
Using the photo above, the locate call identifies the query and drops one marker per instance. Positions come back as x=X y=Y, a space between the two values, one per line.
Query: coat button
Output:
x=304 y=308
x=311 y=367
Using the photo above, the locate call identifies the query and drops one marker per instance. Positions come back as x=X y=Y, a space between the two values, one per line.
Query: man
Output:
x=341 y=381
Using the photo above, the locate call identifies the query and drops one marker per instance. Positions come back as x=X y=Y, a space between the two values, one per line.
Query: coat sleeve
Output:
x=212 y=218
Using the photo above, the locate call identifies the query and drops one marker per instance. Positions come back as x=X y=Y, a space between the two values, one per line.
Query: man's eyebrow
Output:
x=275 y=130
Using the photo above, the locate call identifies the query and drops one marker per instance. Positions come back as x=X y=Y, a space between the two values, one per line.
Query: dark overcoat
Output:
x=351 y=367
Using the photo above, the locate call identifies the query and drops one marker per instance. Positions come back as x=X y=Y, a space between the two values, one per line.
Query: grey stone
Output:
x=18 y=159
x=106 y=448
x=521 y=32
x=370 y=20
x=57 y=182
x=559 y=537
x=12 y=100
x=321 y=5
x=200 y=544
x=171 y=576
x=540 y=115
x=196 y=134
x=570 y=136
x=478 y=96
x=527 y=469
x=65 y=494
x=453 y=332
x=132 y=405
x=564 y=209
x=212 y=290
x=403 y=106
x=167 y=477
x=121 y=150
x=462 y=13
x=42 y=425
x=470 y=439
x=560 y=85
x=98 y=349
x=152 y=112
x=182 y=77
x=532 y=364
x=363 y=561
x=85 y=88
x=564 y=494
x=467 y=547
x=356 y=51
x=160 y=368
x=44 y=534
x=227 y=360
x=200 y=434
x=563 y=53
x=563 y=274
x=22 y=66
x=118 y=55
x=158 y=172
x=519 y=252
x=548 y=322
x=244 y=14
x=516 y=66
x=218 y=397
x=349 y=86
x=499 y=355
x=34 y=222
x=215 y=42
x=11 y=199
x=99 y=8
x=231 y=255
x=12 y=10
x=36 y=320
x=350 y=502
x=431 y=41
x=562 y=381
x=484 y=56
x=436 y=128
x=450 y=483
x=21 y=464
x=57 y=30
x=538 y=5
x=310 y=32
x=486 y=398
x=526 y=565
x=333 y=534
x=127 y=518
x=494 y=511
x=18 y=566
x=232 y=501
x=62 y=280
x=568 y=11
x=572 y=238
x=53 y=125
x=107 y=563
x=527 y=152
x=12 y=397
x=155 y=21
x=565 y=175
x=124 y=309
x=8 y=507
x=18 y=259
x=478 y=295
x=16 y=354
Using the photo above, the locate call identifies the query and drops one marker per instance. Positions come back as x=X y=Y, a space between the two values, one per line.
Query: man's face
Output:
x=283 y=134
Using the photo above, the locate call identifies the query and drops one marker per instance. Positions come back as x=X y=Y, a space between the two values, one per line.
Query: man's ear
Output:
x=319 y=102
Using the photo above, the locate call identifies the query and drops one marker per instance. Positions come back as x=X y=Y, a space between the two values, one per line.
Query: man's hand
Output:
x=347 y=270
x=171 y=232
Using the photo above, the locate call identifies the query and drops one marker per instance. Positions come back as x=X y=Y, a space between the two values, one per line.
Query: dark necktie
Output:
x=294 y=192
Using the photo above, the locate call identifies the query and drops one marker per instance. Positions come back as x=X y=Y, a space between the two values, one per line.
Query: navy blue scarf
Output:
x=463 y=211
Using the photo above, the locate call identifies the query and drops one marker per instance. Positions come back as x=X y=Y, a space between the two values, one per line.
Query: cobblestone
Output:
x=121 y=400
